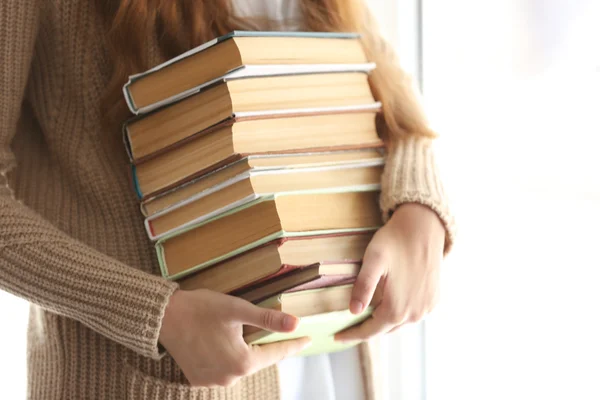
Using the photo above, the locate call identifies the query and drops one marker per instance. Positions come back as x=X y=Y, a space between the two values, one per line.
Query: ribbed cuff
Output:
x=411 y=176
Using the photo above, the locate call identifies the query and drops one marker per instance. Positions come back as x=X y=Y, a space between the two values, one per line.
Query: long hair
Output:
x=179 y=25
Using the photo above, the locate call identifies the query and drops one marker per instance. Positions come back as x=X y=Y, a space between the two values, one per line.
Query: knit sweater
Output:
x=72 y=240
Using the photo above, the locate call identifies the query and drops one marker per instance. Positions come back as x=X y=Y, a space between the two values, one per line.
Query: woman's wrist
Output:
x=170 y=317
x=421 y=226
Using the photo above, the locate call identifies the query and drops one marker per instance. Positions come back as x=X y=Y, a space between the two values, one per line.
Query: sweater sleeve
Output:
x=39 y=262
x=411 y=176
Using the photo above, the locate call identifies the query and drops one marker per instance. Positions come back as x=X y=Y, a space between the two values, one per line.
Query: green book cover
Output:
x=321 y=328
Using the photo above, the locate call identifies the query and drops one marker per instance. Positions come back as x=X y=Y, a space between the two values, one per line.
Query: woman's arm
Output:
x=201 y=329
x=40 y=263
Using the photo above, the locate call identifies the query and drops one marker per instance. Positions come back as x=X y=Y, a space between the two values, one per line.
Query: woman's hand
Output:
x=202 y=330
x=404 y=257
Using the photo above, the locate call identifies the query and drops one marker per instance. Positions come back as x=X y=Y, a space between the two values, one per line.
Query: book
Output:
x=301 y=279
x=236 y=138
x=198 y=186
x=277 y=258
x=267 y=218
x=241 y=52
x=309 y=303
x=321 y=328
x=253 y=184
x=249 y=97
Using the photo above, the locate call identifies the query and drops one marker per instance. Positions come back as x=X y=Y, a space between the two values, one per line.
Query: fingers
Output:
x=368 y=329
x=413 y=319
x=366 y=282
x=269 y=354
x=385 y=317
x=249 y=362
x=264 y=318
x=380 y=322
x=396 y=328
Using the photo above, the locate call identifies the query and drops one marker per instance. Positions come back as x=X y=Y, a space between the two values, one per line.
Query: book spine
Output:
x=164 y=270
x=127 y=142
x=144 y=209
x=136 y=184
x=150 y=229
x=196 y=220
x=162 y=263
x=129 y=98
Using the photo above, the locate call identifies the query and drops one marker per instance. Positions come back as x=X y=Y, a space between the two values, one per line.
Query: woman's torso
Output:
x=75 y=173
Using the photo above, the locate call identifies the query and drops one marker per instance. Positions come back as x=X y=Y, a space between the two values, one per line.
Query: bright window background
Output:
x=13 y=336
x=513 y=86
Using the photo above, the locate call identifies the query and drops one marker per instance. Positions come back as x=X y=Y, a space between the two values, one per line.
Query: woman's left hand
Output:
x=404 y=258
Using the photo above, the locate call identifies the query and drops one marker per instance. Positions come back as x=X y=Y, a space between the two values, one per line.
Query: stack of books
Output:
x=257 y=163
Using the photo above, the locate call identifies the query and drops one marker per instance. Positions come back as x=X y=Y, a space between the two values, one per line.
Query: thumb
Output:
x=269 y=354
x=267 y=319
x=371 y=271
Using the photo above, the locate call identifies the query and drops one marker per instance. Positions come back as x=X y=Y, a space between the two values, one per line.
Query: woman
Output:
x=103 y=324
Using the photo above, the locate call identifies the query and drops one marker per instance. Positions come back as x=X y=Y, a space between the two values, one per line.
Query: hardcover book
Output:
x=284 y=95
x=321 y=328
x=264 y=219
x=322 y=312
x=315 y=276
x=239 y=169
x=277 y=258
x=240 y=53
x=255 y=184
x=234 y=139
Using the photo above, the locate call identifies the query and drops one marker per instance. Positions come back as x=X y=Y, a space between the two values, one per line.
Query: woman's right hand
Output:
x=202 y=331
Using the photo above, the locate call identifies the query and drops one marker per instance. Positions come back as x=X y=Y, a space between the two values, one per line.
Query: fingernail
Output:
x=356 y=306
x=289 y=323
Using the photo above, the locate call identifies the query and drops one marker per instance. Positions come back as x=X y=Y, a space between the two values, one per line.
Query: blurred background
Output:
x=513 y=88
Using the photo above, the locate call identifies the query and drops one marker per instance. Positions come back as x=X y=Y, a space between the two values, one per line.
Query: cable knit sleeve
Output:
x=411 y=176
x=42 y=264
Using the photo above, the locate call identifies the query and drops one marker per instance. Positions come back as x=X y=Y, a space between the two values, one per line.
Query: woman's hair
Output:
x=184 y=24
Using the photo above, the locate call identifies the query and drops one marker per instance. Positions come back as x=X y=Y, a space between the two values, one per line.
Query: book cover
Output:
x=241 y=116
x=135 y=110
x=276 y=162
x=246 y=175
x=295 y=279
x=324 y=281
x=321 y=328
x=280 y=270
x=278 y=235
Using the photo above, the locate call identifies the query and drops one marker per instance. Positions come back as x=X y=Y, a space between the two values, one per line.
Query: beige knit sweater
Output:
x=71 y=236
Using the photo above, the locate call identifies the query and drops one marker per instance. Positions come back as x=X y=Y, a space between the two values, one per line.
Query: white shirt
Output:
x=335 y=376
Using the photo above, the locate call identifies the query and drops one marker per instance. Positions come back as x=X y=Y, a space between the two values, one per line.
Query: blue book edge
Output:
x=136 y=184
